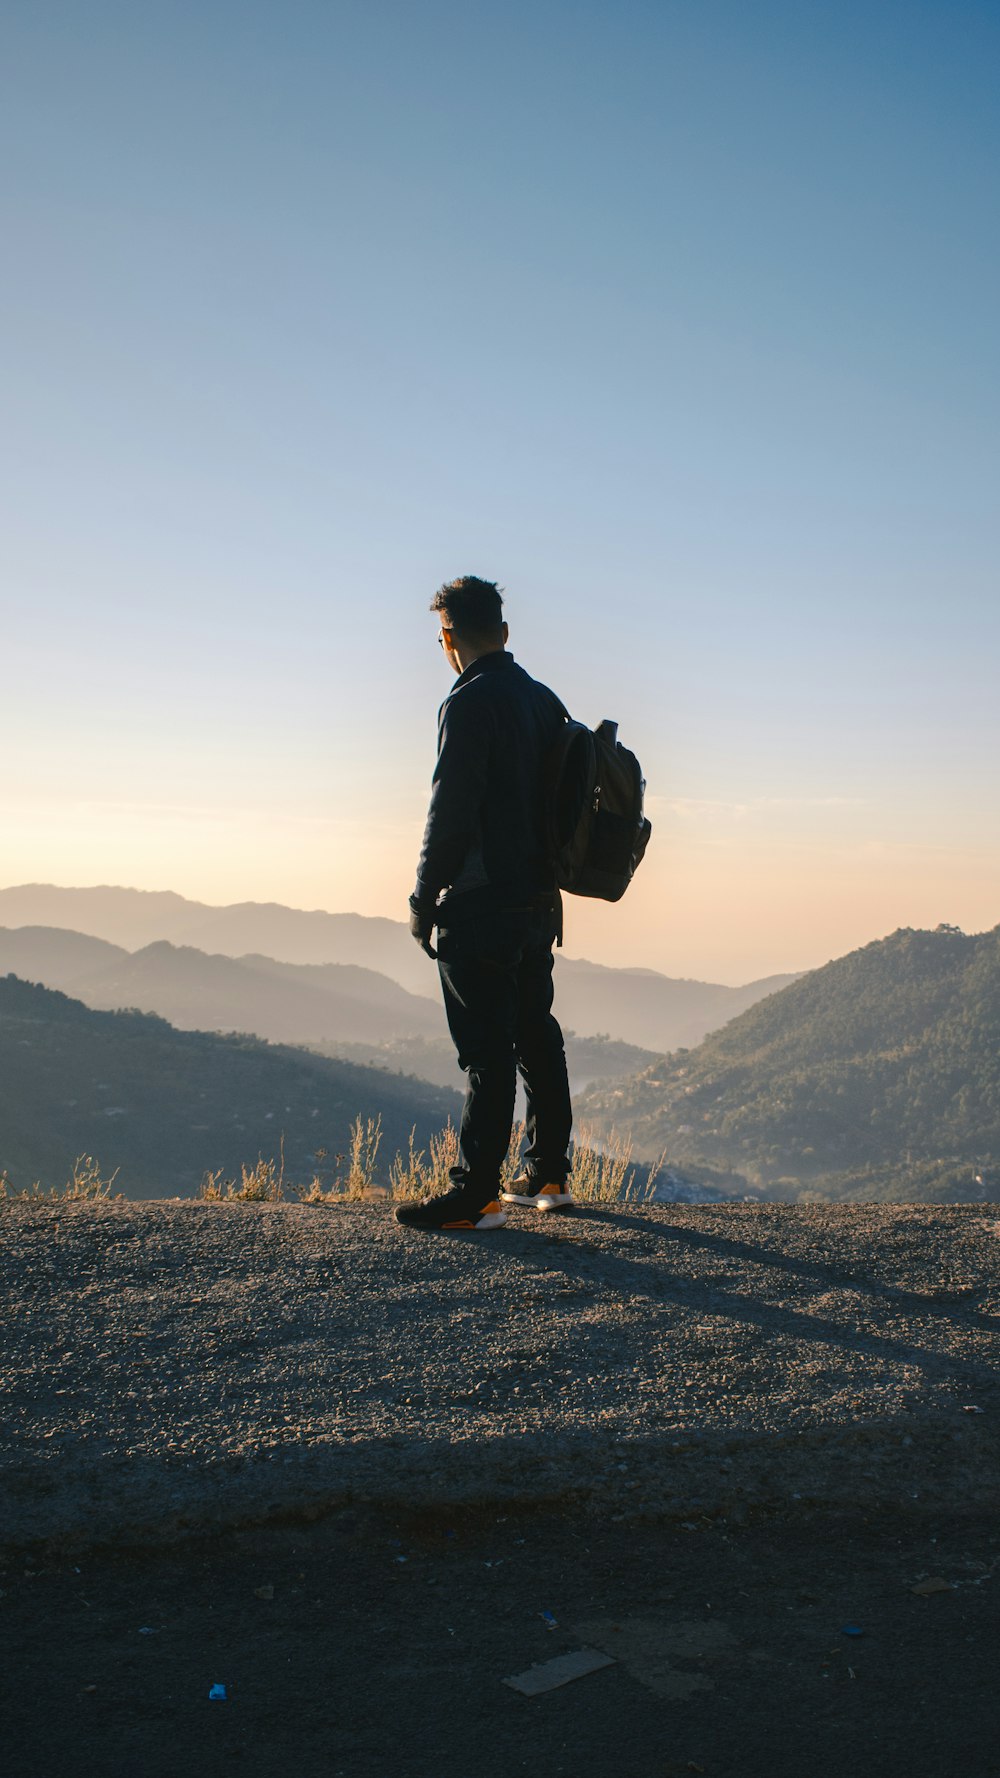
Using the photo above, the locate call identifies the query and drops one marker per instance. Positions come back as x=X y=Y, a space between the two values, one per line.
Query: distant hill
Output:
x=54 y=957
x=638 y=1006
x=285 y=1002
x=641 y=1006
x=874 y=1078
x=433 y=1058
x=343 y=1003
x=165 y=1106
x=134 y=918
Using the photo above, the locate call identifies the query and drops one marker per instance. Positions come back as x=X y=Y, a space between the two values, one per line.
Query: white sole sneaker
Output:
x=551 y=1197
x=491 y=1219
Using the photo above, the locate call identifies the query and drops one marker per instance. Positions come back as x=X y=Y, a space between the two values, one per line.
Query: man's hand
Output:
x=421 y=927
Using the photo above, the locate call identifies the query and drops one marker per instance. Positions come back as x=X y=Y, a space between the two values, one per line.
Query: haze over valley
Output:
x=325 y=971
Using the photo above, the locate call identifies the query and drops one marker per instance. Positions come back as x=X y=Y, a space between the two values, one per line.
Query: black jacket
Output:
x=485 y=833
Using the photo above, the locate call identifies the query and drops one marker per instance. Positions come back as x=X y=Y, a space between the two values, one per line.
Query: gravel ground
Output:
x=178 y=1367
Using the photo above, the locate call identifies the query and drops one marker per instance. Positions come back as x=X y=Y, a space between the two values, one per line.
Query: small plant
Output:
x=359 y=1182
x=86 y=1184
x=606 y=1175
x=263 y=1183
x=86 y=1181
x=407 y=1173
x=444 y=1156
x=316 y=1192
x=417 y=1176
x=365 y=1141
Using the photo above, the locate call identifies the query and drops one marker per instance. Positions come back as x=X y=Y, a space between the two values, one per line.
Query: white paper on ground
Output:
x=549 y=1674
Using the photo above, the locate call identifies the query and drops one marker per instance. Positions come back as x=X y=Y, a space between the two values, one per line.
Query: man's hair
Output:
x=473 y=608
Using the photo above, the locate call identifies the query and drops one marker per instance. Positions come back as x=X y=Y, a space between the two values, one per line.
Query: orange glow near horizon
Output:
x=721 y=906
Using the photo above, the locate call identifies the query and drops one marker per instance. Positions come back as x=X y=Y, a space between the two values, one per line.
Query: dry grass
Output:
x=86 y=1184
x=263 y=1183
x=602 y=1174
x=606 y=1175
x=415 y=1175
x=358 y=1183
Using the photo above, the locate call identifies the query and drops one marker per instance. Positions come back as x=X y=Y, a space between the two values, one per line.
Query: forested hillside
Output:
x=165 y=1106
x=876 y=1077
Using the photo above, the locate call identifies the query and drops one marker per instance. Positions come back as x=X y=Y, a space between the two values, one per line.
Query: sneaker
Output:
x=455 y=1209
x=528 y=1190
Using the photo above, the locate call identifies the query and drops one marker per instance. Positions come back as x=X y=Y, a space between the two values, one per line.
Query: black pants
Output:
x=496 y=974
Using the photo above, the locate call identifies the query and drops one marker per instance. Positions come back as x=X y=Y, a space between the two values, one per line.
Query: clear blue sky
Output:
x=679 y=319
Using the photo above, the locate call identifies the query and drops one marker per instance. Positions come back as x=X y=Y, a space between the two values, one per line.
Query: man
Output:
x=485 y=881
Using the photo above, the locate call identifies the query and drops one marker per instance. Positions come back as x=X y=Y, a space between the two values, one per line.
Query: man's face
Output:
x=447 y=641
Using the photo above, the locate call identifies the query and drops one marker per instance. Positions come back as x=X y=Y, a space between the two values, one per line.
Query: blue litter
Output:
x=851 y=1630
x=548 y=1620
x=217 y=1693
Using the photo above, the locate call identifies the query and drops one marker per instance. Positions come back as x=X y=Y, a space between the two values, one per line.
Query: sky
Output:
x=678 y=319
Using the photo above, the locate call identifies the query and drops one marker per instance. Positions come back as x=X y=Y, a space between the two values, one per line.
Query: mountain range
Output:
x=636 y=1006
x=286 y=1002
x=338 y=1009
x=134 y=918
x=875 y=1077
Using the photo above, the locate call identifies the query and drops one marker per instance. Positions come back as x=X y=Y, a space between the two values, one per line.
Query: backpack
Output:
x=597 y=832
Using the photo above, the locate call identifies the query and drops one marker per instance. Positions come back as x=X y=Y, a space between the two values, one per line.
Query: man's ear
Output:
x=506 y=633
